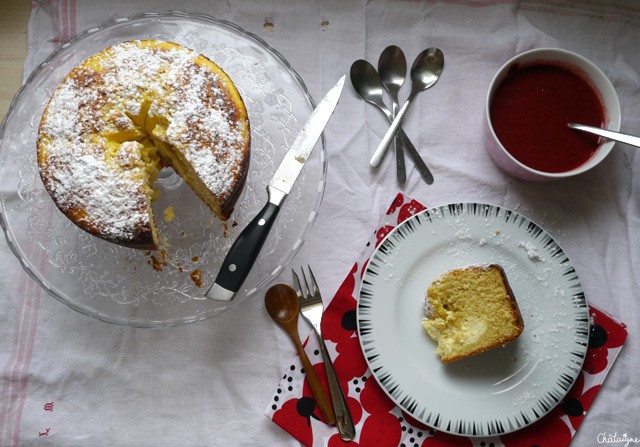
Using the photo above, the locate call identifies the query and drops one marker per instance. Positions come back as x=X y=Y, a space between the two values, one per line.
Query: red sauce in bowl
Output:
x=531 y=108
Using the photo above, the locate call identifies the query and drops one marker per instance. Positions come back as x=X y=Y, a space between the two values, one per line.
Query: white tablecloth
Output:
x=70 y=380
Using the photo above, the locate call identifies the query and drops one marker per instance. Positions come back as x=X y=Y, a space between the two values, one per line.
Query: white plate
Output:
x=501 y=390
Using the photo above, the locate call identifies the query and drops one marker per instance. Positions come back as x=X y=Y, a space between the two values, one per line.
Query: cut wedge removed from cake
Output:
x=471 y=310
x=125 y=113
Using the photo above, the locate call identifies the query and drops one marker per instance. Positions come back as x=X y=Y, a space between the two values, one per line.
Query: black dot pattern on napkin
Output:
x=572 y=407
x=597 y=336
x=412 y=437
x=305 y=408
x=349 y=321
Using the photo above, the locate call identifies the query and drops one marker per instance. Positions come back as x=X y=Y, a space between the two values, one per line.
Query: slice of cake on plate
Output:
x=471 y=310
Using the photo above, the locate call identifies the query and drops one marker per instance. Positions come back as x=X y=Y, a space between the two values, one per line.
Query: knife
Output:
x=244 y=251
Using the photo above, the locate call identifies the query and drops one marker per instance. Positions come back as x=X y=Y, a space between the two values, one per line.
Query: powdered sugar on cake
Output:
x=83 y=174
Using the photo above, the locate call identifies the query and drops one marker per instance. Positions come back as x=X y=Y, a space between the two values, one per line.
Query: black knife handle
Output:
x=244 y=251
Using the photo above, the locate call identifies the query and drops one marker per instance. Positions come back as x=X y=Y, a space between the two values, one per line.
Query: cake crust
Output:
x=122 y=115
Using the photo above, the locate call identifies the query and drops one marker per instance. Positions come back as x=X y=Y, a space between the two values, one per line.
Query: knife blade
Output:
x=244 y=251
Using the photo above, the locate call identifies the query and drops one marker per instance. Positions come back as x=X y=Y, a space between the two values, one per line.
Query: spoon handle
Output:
x=403 y=141
x=398 y=147
x=422 y=168
x=401 y=170
x=316 y=386
x=610 y=134
x=378 y=155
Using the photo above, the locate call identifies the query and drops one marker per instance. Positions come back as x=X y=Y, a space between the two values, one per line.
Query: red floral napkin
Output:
x=378 y=421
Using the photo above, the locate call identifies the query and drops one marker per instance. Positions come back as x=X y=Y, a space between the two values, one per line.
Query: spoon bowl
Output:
x=392 y=67
x=366 y=83
x=282 y=307
x=426 y=70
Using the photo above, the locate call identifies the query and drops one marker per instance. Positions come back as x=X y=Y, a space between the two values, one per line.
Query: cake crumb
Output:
x=169 y=214
x=225 y=228
x=158 y=262
x=196 y=276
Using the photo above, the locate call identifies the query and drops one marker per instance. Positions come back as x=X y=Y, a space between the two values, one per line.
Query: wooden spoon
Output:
x=282 y=305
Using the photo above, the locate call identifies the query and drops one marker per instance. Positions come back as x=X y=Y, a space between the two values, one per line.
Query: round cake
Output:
x=125 y=113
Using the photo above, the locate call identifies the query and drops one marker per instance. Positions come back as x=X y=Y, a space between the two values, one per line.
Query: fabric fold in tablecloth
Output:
x=379 y=422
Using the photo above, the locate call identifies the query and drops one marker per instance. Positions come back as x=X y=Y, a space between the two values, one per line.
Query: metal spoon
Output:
x=610 y=134
x=367 y=84
x=392 y=67
x=425 y=72
x=282 y=305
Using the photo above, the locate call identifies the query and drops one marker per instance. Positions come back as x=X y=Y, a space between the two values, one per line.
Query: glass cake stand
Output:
x=156 y=289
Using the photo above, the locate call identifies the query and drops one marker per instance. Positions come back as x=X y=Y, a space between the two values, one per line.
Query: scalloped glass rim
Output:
x=309 y=219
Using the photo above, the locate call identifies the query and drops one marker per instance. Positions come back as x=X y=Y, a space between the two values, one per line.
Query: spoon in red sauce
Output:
x=609 y=134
